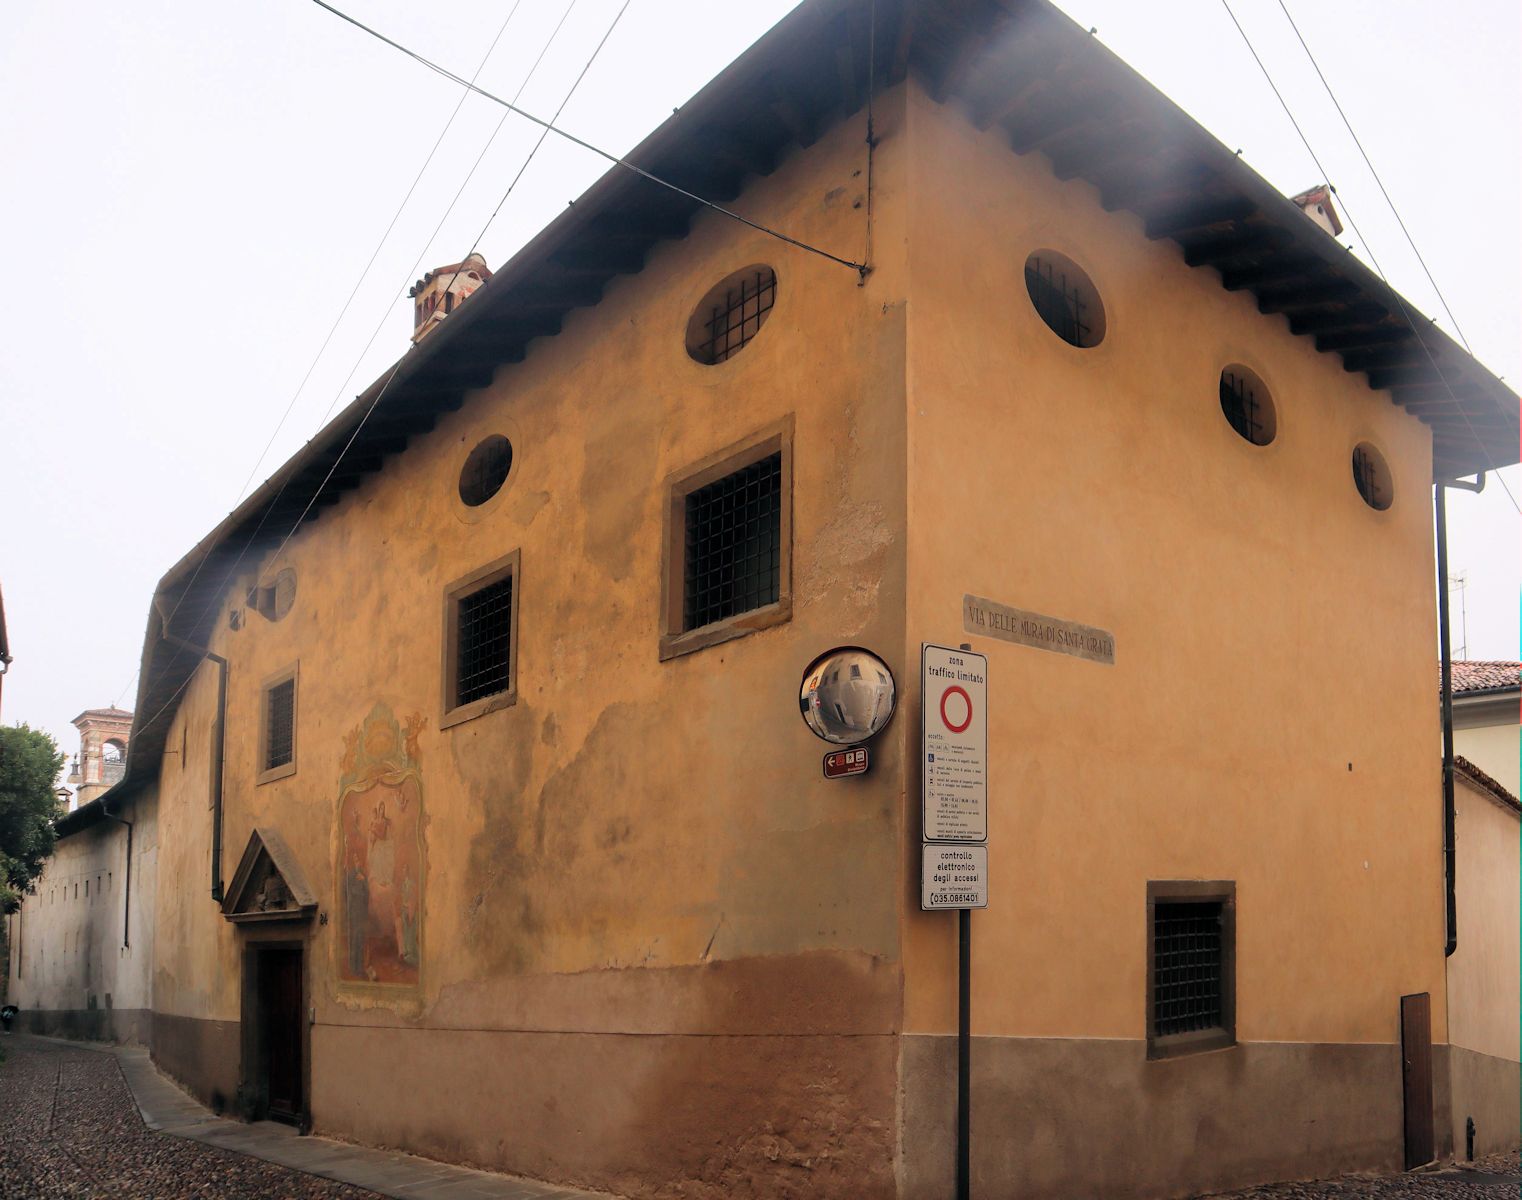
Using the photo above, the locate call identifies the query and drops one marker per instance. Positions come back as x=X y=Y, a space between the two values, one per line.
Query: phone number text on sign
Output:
x=954 y=877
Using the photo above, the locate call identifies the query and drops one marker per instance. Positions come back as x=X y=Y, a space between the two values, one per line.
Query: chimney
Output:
x=1316 y=203
x=442 y=290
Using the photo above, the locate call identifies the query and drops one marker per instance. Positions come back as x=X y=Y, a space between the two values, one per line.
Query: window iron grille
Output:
x=734 y=320
x=483 y=643
x=733 y=560
x=1368 y=478
x=486 y=470
x=1240 y=403
x=280 y=725
x=1187 y=967
x=1059 y=301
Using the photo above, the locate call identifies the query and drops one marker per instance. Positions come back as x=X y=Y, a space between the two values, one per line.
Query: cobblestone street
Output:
x=1483 y=1180
x=72 y=1130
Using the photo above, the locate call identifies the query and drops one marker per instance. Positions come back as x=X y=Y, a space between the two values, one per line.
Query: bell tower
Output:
x=102 y=757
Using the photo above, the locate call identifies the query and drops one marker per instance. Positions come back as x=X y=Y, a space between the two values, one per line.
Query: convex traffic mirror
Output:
x=847 y=695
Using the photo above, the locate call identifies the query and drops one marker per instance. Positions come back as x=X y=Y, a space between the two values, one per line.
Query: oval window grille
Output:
x=1065 y=298
x=273 y=600
x=731 y=314
x=1247 y=405
x=1371 y=475
x=486 y=470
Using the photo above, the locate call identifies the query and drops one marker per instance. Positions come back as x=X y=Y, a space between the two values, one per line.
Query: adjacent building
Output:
x=1484 y=974
x=81 y=945
x=488 y=827
x=1487 y=709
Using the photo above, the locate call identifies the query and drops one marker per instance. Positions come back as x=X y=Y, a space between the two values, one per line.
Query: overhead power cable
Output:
x=861 y=268
x=1410 y=241
x=268 y=508
x=358 y=283
x=543 y=134
x=374 y=254
x=385 y=387
x=1374 y=260
x=454 y=200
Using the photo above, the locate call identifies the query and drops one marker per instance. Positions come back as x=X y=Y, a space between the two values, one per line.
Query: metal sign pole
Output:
x=964 y=1053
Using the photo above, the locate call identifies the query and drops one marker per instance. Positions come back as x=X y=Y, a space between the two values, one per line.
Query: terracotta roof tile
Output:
x=1485 y=783
x=1485 y=676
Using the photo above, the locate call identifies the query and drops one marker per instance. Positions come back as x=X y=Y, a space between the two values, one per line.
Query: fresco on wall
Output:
x=380 y=853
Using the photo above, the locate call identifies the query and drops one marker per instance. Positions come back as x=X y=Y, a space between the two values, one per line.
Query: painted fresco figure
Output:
x=381 y=853
x=356 y=897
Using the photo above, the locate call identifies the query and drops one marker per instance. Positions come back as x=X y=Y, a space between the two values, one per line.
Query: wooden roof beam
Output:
x=1354 y=316
x=1310 y=295
x=1363 y=339
x=1407 y=354
x=1436 y=393
x=1277 y=270
x=1062 y=117
x=1235 y=244
x=800 y=122
x=1152 y=182
x=1389 y=377
x=1197 y=216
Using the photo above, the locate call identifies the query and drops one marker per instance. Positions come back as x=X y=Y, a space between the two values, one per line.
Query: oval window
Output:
x=1247 y=405
x=1065 y=298
x=731 y=314
x=1371 y=475
x=486 y=470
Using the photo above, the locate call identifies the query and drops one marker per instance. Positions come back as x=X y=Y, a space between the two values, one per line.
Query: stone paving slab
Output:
x=166 y=1109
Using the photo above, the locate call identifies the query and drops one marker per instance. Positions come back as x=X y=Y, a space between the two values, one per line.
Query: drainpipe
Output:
x=218 y=753
x=127 y=877
x=1445 y=658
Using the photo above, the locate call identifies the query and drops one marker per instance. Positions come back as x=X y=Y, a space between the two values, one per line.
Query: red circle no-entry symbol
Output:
x=955 y=690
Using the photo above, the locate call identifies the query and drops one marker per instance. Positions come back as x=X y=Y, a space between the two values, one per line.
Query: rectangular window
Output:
x=277 y=726
x=481 y=641
x=729 y=546
x=1191 y=967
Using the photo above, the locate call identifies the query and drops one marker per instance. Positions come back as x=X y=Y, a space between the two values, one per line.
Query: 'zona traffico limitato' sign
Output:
x=954 y=744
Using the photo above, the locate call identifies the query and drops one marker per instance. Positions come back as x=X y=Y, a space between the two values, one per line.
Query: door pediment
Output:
x=269 y=884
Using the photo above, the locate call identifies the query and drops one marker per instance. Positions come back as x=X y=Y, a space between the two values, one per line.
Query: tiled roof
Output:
x=1469 y=677
x=1485 y=783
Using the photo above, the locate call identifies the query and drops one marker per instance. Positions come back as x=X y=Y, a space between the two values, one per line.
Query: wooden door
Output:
x=1416 y=1059
x=280 y=1014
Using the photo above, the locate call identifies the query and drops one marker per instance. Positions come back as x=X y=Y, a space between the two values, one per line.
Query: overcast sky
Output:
x=194 y=190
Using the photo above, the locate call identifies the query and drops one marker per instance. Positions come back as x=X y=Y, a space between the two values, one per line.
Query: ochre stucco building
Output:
x=488 y=825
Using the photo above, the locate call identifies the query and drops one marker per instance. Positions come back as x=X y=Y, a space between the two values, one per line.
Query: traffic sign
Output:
x=953 y=877
x=840 y=763
x=954 y=744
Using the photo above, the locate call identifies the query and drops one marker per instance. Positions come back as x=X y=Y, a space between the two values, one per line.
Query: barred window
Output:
x=1065 y=298
x=1186 y=967
x=731 y=314
x=1247 y=406
x=1371 y=476
x=277 y=732
x=486 y=470
x=1191 y=967
x=728 y=546
x=734 y=545
x=483 y=664
x=480 y=641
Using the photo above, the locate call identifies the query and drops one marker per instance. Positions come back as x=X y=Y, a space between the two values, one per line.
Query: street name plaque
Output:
x=989 y=618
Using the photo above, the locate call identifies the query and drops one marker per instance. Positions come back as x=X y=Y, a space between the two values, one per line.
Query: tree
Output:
x=29 y=764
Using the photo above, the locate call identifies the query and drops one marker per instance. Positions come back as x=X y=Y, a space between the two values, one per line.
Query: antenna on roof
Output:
x=1460 y=583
